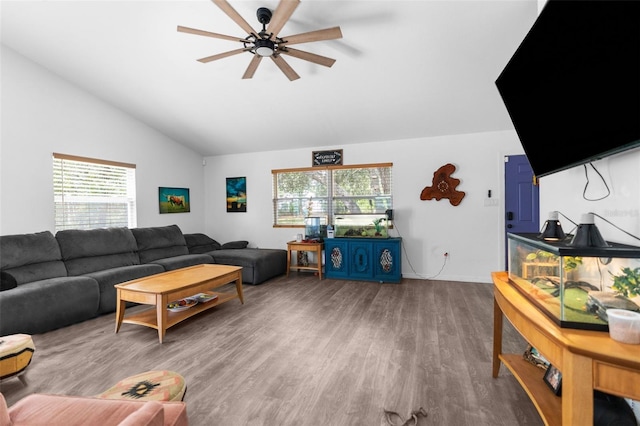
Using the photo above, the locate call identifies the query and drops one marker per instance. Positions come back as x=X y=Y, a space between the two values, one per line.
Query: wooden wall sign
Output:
x=327 y=158
x=444 y=186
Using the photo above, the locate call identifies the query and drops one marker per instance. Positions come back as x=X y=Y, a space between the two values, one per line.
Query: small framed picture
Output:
x=553 y=378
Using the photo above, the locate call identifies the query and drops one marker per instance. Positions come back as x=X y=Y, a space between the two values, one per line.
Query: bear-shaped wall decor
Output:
x=444 y=186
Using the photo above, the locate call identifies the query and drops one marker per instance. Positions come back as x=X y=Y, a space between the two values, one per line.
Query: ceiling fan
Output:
x=267 y=42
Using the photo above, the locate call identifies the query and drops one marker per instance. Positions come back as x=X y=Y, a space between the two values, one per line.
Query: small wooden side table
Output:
x=302 y=246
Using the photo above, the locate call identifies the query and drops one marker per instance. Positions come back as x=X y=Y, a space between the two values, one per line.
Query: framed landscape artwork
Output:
x=236 y=194
x=173 y=200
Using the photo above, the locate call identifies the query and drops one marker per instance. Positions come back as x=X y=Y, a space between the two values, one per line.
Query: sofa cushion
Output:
x=235 y=245
x=159 y=242
x=201 y=243
x=50 y=304
x=109 y=277
x=177 y=262
x=258 y=265
x=30 y=257
x=7 y=281
x=85 y=251
x=28 y=249
x=35 y=272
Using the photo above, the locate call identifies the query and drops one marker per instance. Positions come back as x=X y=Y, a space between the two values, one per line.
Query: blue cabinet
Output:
x=367 y=259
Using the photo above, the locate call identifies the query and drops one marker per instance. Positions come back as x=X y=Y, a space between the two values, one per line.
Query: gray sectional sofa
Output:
x=48 y=282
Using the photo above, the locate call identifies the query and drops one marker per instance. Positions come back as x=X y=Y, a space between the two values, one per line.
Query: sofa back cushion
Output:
x=201 y=243
x=86 y=251
x=159 y=242
x=29 y=257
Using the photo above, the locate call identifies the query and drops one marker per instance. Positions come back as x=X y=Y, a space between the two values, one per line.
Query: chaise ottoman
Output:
x=258 y=264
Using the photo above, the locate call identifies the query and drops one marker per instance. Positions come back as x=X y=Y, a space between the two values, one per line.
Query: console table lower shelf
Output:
x=588 y=360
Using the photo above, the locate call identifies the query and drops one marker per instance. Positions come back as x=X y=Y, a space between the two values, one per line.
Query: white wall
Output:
x=563 y=191
x=42 y=114
x=470 y=232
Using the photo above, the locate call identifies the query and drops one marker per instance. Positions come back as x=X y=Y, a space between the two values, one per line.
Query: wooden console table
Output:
x=588 y=360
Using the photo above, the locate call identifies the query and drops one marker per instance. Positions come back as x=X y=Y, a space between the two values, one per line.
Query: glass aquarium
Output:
x=361 y=225
x=575 y=286
x=313 y=228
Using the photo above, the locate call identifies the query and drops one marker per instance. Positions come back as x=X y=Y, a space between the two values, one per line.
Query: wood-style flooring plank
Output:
x=303 y=351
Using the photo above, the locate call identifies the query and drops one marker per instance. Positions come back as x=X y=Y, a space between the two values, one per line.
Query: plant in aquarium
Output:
x=570 y=262
x=377 y=223
x=628 y=282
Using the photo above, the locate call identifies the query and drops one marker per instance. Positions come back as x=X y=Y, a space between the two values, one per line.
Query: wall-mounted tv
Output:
x=572 y=88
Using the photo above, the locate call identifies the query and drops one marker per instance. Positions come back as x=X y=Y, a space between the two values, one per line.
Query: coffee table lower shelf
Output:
x=160 y=289
x=149 y=317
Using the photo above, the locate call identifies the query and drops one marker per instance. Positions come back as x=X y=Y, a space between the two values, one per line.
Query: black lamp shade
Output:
x=588 y=234
x=552 y=231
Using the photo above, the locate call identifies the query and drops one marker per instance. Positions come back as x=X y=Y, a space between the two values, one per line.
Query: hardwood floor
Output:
x=301 y=351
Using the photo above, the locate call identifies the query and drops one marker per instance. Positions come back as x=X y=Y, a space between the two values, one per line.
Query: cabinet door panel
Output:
x=387 y=261
x=336 y=258
x=360 y=261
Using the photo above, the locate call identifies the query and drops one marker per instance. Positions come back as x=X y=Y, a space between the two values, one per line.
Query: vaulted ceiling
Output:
x=404 y=69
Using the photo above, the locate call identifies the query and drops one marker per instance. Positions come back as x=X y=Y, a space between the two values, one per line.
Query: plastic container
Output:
x=624 y=326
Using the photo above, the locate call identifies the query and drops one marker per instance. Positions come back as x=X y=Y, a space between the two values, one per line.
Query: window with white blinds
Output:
x=90 y=193
x=328 y=191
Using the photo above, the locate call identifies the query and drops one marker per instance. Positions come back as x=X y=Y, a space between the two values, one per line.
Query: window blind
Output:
x=326 y=191
x=91 y=193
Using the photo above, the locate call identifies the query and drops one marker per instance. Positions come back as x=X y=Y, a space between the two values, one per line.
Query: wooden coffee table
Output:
x=160 y=289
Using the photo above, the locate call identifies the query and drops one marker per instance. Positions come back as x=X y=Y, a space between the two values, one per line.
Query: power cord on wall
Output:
x=586 y=185
x=406 y=255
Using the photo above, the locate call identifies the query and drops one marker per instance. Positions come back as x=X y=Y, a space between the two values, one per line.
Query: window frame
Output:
x=60 y=191
x=329 y=199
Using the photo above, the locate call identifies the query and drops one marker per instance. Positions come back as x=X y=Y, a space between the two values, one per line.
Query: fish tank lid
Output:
x=562 y=248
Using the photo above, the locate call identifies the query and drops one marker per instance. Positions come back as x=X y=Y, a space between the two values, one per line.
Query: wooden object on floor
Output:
x=156 y=385
x=587 y=359
x=302 y=246
x=160 y=289
x=16 y=351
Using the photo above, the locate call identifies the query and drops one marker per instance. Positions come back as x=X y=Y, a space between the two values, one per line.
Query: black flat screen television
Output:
x=572 y=88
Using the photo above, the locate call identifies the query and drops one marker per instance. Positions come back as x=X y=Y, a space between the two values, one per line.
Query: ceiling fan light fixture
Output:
x=264 y=47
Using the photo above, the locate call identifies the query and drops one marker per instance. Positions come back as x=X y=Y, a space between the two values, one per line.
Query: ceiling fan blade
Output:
x=221 y=55
x=281 y=15
x=285 y=68
x=208 y=34
x=307 y=56
x=233 y=14
x=326 y=34
x=253 y=65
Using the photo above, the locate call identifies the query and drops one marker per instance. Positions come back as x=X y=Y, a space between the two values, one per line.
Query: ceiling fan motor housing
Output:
x=264 y=15
x=264 y=47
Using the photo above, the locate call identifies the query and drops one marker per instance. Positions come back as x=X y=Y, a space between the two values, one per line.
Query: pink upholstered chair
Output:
x=61 y=410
